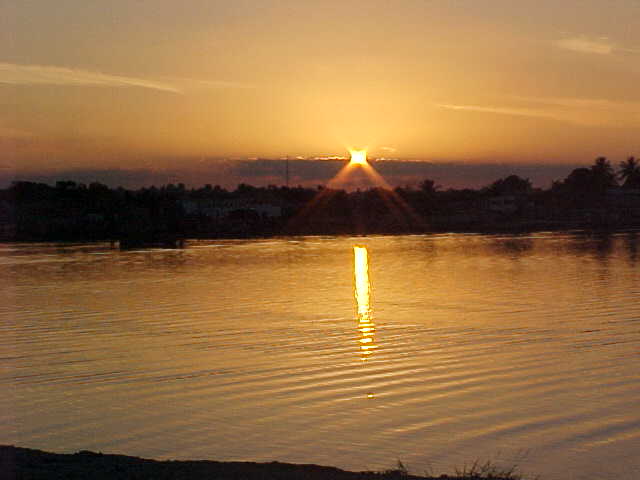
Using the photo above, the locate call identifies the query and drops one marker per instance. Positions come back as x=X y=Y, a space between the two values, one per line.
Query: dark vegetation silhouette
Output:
x=588 y=198
x=24 y=463
x=629 y=173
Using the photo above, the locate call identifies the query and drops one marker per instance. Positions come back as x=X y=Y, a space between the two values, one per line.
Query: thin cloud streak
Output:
x=15 y=74
x=577 y=111
x=596 y=46
x=520 y=112
x=584 y=103
x=8 y=132
x=583 y=44
x=193 y=83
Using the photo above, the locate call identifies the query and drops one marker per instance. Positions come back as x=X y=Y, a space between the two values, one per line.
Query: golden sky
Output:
x=152 y=83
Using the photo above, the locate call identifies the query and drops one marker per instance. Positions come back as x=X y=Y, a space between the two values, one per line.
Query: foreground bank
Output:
x=27 y=464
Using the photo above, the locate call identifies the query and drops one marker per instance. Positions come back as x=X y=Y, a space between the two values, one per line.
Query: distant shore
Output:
x=589 y=199
x=29 y=464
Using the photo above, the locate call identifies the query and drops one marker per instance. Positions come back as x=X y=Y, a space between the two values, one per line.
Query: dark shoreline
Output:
x=29 y=464
x=588 y=199
x=578 y=229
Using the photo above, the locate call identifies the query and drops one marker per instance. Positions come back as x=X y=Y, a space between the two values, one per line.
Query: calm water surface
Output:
x=354 y=352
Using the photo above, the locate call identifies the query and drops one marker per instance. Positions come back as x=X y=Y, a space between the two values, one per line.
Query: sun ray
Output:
x=380 y=182
x=394 y=202
x=340 y=177
x=315 y=204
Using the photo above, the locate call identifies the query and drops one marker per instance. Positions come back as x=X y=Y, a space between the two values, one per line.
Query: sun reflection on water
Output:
x=366 y=327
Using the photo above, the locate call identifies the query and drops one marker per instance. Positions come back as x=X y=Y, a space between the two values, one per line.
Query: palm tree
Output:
x=603 y=167
x=602 y=174
x=630 y=172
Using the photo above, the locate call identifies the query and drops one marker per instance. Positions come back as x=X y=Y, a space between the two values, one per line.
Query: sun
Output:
x=358 y=157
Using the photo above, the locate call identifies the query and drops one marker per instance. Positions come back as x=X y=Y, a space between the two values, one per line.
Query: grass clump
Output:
x=488 y=471
x=478 y=470
x=400 y=471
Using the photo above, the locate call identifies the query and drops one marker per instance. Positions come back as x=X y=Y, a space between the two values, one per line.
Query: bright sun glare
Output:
x=358 y=157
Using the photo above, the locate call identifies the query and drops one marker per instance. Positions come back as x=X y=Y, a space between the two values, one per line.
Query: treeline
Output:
x=597 y=196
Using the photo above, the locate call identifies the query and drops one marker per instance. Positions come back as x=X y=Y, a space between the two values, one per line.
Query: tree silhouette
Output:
x=579 y=179
x=511 y=185
x=588 y=186
x=72 y=211
x=603 y=175
x=630 y=173
x=428 y=187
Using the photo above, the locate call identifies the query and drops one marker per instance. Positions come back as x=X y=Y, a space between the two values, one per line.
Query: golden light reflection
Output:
x=366 y=327
x=358 y=157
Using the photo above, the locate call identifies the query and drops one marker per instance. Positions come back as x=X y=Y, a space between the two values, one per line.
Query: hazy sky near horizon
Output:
x=163 y=84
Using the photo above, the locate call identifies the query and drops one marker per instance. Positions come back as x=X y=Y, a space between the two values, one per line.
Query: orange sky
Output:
x=124 y=84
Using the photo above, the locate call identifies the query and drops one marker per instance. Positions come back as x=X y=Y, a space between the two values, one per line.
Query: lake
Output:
x=356 y=352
